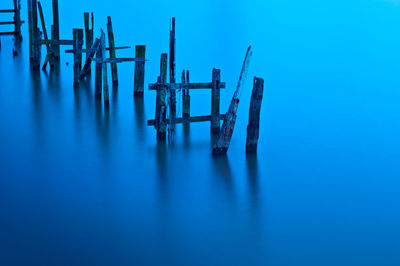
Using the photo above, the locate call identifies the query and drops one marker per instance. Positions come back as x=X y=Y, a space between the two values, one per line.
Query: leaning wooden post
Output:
x=56 y=34
x=17 y=20
x=215 y=101
x=105 y=81
x=111 y=44
x=48 y=49
x=254 y=115
x=138 y=89
x=225 y=135
x=88 y=64
x=185 y=96
x=161 y=106
x=77 y=48
x=98 y=75
x=88 y=33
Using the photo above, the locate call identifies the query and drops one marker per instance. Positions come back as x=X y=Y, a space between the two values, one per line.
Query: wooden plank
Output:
x=138 y=87
x=7 y=10
x=225 y=136
x=254 y=115
x=7 y=33
x=90 y=50
x=190 y=86
x=88 y=33
x=55 y=42
x=111 y=45
x=56 y=32
x=7 y=22
x=193 y=119
x=215 y=101
x=86 y=68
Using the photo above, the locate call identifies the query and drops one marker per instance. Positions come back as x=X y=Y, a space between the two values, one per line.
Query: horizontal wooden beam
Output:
x=189 y=86
x=7 y=23
x=192 y=119
x=55 y=42
x=91 y=50
x=120 y=60
x=7 y=10
x=7 y=33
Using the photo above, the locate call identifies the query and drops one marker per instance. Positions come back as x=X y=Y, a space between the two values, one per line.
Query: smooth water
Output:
x=83 y=186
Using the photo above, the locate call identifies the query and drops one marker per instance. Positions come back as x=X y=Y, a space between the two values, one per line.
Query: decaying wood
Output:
x=254 y=115
x=49 y=55
x=172 y=69
x=185 y=95
x=225 y=135
x=88 y=32
x=192 y=119
x=17 y=20
x=56 y=34
x=187 y=85
x=99 y=70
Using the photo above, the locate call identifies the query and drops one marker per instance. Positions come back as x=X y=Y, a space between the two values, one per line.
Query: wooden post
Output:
x=56 y=35
x=215 y=101
x=139 y=71
x=17 y=20
x=172 y=68
x=34 y=35
x=161 y=106
x=98 y=75
x=111 y=45
x=185 y=95
x=88 y=34
x=254 y=115
x=225 y=135
x=105 y=81
x=77 y=48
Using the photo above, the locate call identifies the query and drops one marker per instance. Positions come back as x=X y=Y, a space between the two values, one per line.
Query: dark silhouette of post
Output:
x=215 y=101
x=254 y=115
x=138 y=87
x=111 y=44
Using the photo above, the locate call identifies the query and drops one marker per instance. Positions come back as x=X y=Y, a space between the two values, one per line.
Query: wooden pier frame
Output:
x=17 y=22
x=138 y=88
x=161 y=105
x=165 y=88
x=254 y=115
x=172 y=69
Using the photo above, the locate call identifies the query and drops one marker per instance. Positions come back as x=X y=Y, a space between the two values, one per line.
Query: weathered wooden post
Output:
x=215 y=101
x=254 y=115
x=185 y=95
x=88 y=33
x=225 y=135
x=98 y=74
x=172 y=68
x=77 y=49
x=105 y=81
x=111 y=44
x=138 y=87
x=161 y=105
x=34 y=35
x=17 y=20
x=56 y=32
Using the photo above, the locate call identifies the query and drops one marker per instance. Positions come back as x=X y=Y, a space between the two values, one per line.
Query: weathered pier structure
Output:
x=254 y=115
x=17 y=22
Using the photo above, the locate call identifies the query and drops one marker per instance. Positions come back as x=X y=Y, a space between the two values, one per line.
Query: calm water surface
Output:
x=83 y=186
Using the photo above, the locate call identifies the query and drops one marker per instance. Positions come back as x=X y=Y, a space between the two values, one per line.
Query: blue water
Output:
x=83 y=186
